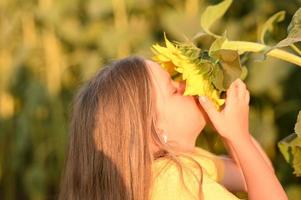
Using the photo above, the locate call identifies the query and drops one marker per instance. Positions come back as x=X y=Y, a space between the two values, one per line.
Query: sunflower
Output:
x=185 y=62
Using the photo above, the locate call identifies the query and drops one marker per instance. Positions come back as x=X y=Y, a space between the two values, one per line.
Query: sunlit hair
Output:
x=113 y=123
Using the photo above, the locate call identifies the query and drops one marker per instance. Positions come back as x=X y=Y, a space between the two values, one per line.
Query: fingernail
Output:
x=202 y=98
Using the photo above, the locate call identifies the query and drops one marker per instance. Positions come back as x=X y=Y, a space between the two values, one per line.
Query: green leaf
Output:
x=294 y=35
x=285 y=145
x=217 y=45
x=294 y=31
x=298 y=124
x=218 y=78
x=269 y=24
x=244 y=73
x=229 y=68
x=212 y=14
x=297 y=160
x=229 y=61
x=290 y=147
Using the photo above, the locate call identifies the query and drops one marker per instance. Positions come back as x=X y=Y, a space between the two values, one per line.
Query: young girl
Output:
x=133 y=133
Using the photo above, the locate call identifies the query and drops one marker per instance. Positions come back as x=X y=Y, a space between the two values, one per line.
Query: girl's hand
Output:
x=233 y=121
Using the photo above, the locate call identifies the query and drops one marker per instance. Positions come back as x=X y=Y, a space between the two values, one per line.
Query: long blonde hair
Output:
x=113 y=121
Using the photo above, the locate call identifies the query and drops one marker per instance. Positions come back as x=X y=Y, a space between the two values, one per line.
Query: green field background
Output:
x=48 y=48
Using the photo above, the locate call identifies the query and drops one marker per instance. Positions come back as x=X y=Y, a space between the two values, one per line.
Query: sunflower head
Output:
x=187 y=62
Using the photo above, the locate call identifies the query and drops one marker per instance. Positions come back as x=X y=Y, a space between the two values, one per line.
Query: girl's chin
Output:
x=206 y=118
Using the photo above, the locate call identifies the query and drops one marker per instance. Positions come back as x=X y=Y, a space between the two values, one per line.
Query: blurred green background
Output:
x=48 y=48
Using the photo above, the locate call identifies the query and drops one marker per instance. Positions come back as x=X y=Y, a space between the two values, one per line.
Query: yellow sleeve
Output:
x=168 y=186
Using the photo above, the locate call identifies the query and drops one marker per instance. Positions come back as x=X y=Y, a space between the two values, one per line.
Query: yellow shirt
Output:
x=167 y=183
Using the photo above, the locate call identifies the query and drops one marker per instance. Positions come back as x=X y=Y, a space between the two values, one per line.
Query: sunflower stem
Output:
x=243 y=46
x=296 y=49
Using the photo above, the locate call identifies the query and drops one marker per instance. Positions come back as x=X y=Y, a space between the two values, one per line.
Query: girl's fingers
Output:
x=241 y=90
x=232 y=93
x=237 y=92
x=209 y=108
x=247 y=97
x=243 y=93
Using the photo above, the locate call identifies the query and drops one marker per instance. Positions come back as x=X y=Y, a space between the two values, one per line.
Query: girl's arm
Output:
x=233 y=155
x=263 y=154
x=233 y=178
x=260 y=179
x=232 y=123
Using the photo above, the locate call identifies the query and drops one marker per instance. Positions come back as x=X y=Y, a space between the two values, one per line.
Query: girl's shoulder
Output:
x=212 y=165
x=168 y=179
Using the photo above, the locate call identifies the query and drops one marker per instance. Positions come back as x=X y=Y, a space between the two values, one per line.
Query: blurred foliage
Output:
x=290 y=147
x=49 y=47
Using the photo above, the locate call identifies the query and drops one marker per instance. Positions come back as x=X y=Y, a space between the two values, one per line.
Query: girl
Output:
x=133 y=133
